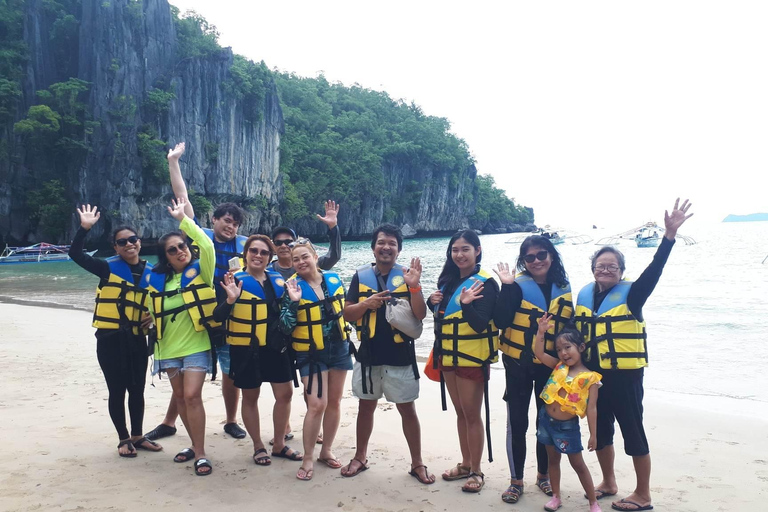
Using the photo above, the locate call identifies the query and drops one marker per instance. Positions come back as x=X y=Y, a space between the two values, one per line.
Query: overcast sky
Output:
x=589 y=112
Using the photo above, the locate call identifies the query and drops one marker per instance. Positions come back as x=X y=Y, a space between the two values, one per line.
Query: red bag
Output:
x=429 y=370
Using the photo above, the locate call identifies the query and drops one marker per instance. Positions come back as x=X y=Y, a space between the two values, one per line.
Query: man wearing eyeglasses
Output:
x=283 y=236
x=227 y=244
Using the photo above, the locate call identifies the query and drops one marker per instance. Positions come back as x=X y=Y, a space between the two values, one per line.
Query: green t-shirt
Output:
x=180 y=338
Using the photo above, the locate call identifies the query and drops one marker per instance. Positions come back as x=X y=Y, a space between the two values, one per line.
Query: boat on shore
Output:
x=37 y=253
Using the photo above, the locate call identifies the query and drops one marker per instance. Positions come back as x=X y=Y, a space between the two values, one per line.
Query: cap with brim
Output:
x=284 y=229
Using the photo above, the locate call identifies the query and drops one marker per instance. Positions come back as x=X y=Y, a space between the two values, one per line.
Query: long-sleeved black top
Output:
x=510 y=298
x=97 y=266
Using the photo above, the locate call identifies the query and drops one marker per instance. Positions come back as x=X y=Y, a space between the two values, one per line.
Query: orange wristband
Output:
x=414 y=290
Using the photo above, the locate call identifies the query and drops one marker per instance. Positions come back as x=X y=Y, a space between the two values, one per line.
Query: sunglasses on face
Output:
x=541 y=256
x=122 y=242
x=174 y=249
x=258 y=252
x=285 y=241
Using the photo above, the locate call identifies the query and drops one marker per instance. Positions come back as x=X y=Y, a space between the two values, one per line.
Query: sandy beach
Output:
x=59 y=446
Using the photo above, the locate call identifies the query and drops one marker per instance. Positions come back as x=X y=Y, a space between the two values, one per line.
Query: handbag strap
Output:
x=383 y=285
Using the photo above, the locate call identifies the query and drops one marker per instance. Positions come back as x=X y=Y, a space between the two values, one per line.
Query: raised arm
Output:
x=177 y=182
x=193 y=231
x=538 y=342
x=327 y=261
x=88 y=217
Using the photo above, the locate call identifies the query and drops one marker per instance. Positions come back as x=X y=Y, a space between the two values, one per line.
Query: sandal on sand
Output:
x=599 y=494
x=264 y=460
x=545 y=485
x=462 y=472
x=131 y=447
x=476 y=478
x=636 y=506
x=362 y=467
x=512 y=494
x=415 y=475
x=283 y=454
x=307 y=474
x=160 y=431
x=141 y=444
x=331 y=463
x=553 y=504
x=319 y=439
x=184 y=455
x=203 y=463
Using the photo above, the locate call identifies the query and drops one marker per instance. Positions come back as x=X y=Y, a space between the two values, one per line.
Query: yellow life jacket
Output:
x=517 y=341
x=612 y=332
x=199 y=298
x=456 y=341
x=118 y=302
x=247 y=322
x=368 y=285
x=313 y=312
x=576 y=389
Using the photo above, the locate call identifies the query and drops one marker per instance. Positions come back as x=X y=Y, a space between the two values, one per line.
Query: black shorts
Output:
x=621 y=399
x=249 y=370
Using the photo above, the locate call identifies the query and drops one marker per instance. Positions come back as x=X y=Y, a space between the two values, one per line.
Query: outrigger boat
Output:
x=647 y=235
x=37 y=253
x=556 y=236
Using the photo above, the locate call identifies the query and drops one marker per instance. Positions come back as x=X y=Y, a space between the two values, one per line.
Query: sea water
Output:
x=706 y=319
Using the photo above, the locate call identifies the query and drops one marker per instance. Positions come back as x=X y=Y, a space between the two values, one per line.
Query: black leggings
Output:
x=521 y=381
x=123 y=360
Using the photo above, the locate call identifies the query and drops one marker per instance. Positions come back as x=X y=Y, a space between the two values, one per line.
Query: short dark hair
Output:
x=232 y=209
x=118 y=229
x=572 y=335
x=284 y=229
x=611 y=249
x=389 y=230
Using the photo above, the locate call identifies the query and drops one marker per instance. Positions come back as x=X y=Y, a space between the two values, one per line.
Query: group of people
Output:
x=268 y=307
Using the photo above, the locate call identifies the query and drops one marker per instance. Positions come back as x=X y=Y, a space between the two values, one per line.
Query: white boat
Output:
x=37 y=253
x=647 y=235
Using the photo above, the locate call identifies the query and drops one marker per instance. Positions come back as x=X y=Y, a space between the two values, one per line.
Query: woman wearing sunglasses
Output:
x=466 y=343
x=312 y=314
x=182 y=304
x=540 y=287
x=121 y=319
x=258 y=350
x=609 y=312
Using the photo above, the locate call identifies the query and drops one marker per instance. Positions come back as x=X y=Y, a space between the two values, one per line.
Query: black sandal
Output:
x=184 y=455
x=264 y=460
x=203 y=463
x=141 y=444
x=131 y=447
x=160 y=431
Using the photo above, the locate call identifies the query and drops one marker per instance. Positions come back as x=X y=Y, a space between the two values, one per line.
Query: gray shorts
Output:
x=396 y=383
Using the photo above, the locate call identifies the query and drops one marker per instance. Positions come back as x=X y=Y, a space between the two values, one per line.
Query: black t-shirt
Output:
x=383 y=348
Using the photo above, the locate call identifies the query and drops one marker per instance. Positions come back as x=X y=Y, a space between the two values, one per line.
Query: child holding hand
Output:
x=570 y=393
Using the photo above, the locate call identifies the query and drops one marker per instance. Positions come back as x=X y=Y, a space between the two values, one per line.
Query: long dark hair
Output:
x=163 y=266
x=450 y=270
x=556 y=273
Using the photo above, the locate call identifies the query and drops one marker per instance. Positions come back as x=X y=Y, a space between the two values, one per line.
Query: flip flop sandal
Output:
x=307 y=474
x=331 y=463
x=628 y=502
x=601 y=494
x=363 y=467
x=131 y=447
x=287 y=437
x=415 y=475
x=160 y=431
x=141 y=444
x=553 y=504
x=463 y=472
x=290 y=456
x=203 y=463
x=264 y=460
x=512 y=494
x=184 y=455
x=545 y=485
x=474 y=475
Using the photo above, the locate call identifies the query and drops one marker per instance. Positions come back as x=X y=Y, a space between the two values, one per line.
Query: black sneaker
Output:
x=234 y=430
x=160 y=431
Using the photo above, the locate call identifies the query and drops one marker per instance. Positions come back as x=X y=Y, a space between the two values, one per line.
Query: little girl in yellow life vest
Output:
x=570 y=393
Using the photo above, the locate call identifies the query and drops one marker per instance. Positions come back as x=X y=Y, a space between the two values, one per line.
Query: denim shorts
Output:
x=222 y=353
x=197 y=362
x=563 y=435
x=333 y=357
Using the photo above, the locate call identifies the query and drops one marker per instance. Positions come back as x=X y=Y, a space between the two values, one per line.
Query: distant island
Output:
x=752 y=217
